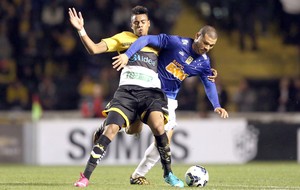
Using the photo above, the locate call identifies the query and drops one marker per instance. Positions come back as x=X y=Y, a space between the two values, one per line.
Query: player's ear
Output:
x=197 y=35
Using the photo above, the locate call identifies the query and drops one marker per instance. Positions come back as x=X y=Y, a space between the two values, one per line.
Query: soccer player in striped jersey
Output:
x=139 y=94
x=178 y=59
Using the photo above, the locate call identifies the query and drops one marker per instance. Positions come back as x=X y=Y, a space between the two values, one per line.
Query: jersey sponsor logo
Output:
x=176 y=70
x=141 y=58
x=189 y=60
x=138 y=76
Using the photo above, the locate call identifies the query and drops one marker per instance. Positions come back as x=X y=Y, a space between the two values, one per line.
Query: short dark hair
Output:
x=210 y=31
x=138 y=10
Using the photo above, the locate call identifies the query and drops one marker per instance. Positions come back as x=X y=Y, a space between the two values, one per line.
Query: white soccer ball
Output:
x=196 y=176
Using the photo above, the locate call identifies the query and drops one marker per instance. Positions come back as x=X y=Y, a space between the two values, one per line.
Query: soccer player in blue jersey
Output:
x=178 y=59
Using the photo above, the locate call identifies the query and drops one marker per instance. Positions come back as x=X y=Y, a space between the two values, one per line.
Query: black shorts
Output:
x=135 y=102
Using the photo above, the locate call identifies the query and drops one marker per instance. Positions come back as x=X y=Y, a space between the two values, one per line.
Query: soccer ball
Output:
x=196 y=176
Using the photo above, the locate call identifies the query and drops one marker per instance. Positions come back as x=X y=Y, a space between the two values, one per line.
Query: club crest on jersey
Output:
x=189 y=60
x=184 y=42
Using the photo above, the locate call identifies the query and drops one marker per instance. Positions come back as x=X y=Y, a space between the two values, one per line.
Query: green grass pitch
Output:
x=253 y=175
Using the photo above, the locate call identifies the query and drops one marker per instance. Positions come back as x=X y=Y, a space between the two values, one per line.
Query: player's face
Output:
x=202 y=44
x=140 y=24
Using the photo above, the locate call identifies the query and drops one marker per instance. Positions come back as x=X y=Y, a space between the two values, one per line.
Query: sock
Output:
x=164 y=150
x=97 y=154
x=150 y=158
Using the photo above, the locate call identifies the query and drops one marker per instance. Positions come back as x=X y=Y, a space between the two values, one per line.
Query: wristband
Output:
x=82 y=32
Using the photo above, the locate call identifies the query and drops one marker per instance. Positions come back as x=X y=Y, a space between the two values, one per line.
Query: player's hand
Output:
x=120 y=61
x=76 y=19
x=214 y=76
x=222 y=112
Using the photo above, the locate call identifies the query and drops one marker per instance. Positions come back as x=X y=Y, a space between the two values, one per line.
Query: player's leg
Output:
x=156 y=123
x=117 y=116
x=151 y=155
x=114 y=122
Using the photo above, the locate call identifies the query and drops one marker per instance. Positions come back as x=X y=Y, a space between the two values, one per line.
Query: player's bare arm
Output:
x=77 y=21
x=222 y=112
x=120 y=61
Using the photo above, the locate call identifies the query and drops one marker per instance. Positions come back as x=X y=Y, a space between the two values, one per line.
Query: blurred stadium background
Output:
x=48 y=79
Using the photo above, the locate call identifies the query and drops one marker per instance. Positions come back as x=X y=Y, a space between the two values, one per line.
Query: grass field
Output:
x=254 y=175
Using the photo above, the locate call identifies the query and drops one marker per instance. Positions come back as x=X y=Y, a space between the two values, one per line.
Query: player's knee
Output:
x=158 y=124
x=157 y=128
x=111 y=130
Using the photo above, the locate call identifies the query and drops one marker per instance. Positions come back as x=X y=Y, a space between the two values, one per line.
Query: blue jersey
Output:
x=176 y=62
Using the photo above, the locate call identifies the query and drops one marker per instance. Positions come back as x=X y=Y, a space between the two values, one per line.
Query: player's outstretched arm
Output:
x=151 y=40
x=222 y=112
x=212 y=95
x=77 y=21
x=122 y=59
